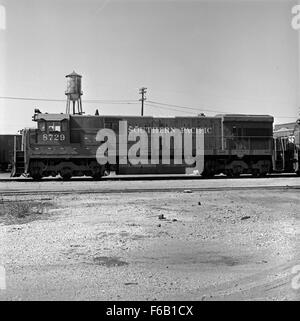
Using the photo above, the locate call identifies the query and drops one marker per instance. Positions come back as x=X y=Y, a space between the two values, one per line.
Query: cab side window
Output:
x=54 y=126
x=42 y=126
x=64 y=126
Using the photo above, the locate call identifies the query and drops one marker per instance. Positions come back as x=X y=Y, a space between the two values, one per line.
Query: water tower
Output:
x=74 y=93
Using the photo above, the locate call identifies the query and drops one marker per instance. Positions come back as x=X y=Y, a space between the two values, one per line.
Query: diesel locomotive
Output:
x=68 y=144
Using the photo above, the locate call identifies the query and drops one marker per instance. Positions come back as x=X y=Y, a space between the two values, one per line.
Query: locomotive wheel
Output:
x=207 y=174
x=261 y=168
x=96 y=170
x=36 y=170
x=97 y=177
x=209 y=169
x=229 y=173
x=262 y=174
x=236 y=171
x=66 y=173
x=106 y=172
x=36 y=177
x=66 y=177
x=258 y=173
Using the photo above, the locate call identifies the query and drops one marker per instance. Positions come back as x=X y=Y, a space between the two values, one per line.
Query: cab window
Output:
x=42 y=126
x=54 y=126
x=64 y=126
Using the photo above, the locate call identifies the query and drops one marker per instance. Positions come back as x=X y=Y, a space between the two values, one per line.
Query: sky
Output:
x=214 y=56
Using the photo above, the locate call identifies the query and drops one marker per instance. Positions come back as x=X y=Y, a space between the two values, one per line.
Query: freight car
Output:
x=68 y=145
x=7 y=148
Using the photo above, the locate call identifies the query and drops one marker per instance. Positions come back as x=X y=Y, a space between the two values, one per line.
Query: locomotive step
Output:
x=19 y=166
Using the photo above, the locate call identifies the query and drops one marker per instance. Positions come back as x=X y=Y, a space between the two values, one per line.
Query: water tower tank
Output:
x=73 y=86
x=74 y=93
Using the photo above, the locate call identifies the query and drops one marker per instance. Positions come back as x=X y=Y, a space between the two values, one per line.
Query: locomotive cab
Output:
x=52 y=129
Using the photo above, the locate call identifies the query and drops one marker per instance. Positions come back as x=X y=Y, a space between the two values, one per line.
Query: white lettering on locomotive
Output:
x=160 y=140
x=54 y=137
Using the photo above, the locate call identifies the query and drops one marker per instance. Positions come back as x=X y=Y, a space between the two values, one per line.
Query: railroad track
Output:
x=160 y=177
x=145 y=190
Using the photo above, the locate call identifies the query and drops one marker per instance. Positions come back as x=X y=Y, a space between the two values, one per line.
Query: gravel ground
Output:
x=230 y=245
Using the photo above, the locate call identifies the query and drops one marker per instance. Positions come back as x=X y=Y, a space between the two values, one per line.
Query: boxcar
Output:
x=7 y=148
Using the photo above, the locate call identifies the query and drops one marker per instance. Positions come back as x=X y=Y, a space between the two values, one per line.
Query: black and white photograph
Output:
x=150 y=152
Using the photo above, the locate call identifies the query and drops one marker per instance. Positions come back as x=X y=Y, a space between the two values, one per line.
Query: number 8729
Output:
x=54 y=137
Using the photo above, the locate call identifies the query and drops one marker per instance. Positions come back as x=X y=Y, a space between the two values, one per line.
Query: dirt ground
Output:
x=216 y=245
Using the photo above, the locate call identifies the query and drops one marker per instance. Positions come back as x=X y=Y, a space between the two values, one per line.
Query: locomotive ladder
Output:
x=18 y=164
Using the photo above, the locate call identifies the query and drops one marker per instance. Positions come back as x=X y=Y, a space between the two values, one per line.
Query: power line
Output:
x=206 y=110
x=102 y=101
x=31 y=99
x=186 y=107
x=131 y=102
x=170 y=108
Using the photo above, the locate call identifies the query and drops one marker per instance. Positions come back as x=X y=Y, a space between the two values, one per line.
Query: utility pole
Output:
x=143 y=92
